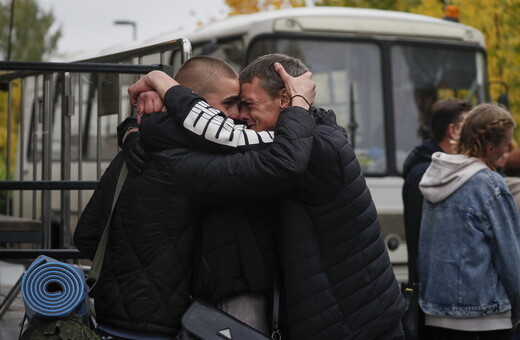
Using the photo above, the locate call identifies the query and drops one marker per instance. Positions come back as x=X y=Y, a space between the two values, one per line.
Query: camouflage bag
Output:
x=61 y=329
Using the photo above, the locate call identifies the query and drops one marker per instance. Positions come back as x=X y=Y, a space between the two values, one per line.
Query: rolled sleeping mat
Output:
x=53 y=289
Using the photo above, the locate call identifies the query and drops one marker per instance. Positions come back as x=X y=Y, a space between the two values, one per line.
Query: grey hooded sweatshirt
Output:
x=446 y=174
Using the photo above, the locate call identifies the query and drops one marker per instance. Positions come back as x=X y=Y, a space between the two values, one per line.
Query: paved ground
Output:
x=11 y=321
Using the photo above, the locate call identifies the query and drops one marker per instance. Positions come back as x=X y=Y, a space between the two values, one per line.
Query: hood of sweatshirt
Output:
x=513 y=184
x=446 y=174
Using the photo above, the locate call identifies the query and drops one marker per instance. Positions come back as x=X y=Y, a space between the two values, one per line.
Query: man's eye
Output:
x=230 y=103
x=242 y=103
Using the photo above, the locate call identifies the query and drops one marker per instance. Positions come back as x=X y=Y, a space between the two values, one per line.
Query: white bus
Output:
x=379 y=70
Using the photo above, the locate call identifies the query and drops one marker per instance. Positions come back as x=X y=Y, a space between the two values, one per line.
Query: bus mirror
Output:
x=109 y=94
x=503 y=99
x=210 y=47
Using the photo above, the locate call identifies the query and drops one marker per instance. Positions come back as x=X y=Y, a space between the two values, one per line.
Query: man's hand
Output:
x=298 y=86
x=148 y=102
x=157 y=81
x=135 y=154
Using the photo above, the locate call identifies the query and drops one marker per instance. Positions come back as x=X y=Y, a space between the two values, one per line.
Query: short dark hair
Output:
x=200 y=73
x=446 y=112
x=262 y=67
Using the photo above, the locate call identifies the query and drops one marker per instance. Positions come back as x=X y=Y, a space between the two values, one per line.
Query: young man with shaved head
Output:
x=338 y=279
x=145 y=282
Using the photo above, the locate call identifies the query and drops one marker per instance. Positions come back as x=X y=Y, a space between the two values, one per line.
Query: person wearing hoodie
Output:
x=469 y=243
x=512 y=175
x=446 y=123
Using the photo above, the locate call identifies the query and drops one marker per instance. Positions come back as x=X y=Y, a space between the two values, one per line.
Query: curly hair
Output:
x=485 y=124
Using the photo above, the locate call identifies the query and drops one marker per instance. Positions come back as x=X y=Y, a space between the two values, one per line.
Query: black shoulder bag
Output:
x=206 y=322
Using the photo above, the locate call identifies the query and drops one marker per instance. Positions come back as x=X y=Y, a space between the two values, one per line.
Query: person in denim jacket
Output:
x=469 y=244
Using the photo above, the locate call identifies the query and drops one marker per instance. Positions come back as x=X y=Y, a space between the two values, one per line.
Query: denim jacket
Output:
x=469 y=247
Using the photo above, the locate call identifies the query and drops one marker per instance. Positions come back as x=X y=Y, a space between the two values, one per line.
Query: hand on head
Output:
x=301 y=86
x=157 y=81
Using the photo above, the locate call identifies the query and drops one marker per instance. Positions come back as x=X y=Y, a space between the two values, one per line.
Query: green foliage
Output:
x=32 y=39
x=379 y=4
x=253 y=6
x=15 y=114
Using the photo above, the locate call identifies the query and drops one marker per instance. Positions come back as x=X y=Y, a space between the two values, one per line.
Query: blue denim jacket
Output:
x=469 y=250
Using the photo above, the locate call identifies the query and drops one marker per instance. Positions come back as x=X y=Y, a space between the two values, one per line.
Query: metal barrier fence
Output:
x=60 y=133
x=60 y=121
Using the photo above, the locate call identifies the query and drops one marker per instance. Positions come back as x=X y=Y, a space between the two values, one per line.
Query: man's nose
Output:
x=233 y=112
x=243 y=113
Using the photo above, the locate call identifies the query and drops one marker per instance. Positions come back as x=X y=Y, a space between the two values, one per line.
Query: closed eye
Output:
x=243 y=103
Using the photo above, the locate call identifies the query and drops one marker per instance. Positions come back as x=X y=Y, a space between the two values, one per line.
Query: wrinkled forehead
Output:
x=252 y=89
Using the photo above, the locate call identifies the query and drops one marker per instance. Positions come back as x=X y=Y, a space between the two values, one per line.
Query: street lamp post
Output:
x=128 y=22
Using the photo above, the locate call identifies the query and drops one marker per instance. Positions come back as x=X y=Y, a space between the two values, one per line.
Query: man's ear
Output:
x=452 y=131
x=285 y=99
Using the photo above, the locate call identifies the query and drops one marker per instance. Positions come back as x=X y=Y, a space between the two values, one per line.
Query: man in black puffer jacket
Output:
x=338 y=280
x=144 y=286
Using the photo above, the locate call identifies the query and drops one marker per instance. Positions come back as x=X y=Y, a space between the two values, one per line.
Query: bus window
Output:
x=349 y=81
x=423 y=74
x=229 y=49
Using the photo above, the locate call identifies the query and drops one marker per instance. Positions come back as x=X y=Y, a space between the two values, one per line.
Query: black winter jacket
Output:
x=415 y=165
x=339 y=282
x=235 y=251
x=144 y=282
x=338 y=276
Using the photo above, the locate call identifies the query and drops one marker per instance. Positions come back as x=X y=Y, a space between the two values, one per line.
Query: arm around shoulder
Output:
x=252 y=174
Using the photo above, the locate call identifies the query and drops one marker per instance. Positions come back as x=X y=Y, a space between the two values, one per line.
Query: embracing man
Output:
x=337 y=278
x=145 y=282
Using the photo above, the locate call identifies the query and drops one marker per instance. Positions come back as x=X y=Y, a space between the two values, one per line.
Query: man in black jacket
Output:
x=338 y=280
x=448 y=116
x=144 y=286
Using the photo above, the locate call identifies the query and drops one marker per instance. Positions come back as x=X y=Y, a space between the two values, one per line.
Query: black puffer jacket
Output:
x=339 y=282
x=339 y=279
x=415 y=165
x=144 y=282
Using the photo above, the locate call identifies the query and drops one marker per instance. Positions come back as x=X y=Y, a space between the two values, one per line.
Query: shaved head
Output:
x=200 y=74
x=214 y=80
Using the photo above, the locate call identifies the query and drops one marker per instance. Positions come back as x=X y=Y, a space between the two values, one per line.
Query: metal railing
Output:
x=54 y=107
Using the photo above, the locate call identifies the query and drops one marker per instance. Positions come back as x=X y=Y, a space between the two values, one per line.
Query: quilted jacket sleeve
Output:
x=251 y=174
x=206 y=128
x=93 y=220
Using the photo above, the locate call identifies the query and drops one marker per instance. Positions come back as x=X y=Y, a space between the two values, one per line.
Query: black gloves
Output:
x=135 y=154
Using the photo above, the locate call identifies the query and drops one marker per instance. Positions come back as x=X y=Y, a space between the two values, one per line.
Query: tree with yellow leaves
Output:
x=498 y=20
x=253 y=6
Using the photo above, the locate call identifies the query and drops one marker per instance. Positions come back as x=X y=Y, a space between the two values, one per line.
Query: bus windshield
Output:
x=420 y=76
x=350 y=80
x=348 y=77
